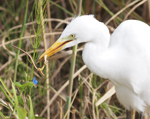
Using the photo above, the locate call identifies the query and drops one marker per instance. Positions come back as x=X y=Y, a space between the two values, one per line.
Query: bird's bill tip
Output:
x=56 y=47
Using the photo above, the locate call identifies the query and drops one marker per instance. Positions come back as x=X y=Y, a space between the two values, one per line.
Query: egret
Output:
x=123 y=57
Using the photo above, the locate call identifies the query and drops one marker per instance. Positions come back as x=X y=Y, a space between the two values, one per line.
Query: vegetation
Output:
x=34 y=25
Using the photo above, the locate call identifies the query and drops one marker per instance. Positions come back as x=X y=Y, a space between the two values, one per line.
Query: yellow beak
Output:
x=57 y=46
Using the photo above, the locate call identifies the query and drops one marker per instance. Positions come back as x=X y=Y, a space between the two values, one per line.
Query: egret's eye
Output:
x=72 y=35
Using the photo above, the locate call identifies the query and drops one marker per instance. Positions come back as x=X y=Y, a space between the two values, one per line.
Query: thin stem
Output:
x=38 y=69
x=79 y=7
x=114 y=16
x=19 y=45
x=61 y=89
x=6 y=95
x=93 y=105
x=133 y=114
x=49 y=23
x=51 y=42
x=33 y=65
x=140 y=3
x=73 y=61
x=45 y=47
x=72 y=7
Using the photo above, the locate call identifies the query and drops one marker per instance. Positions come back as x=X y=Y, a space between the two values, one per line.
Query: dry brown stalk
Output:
x=93 y=105
x=54 y=97
x=6 y=64
x=60 y=23
x=75 y=93
x=140 y=3
x=132 y=3
x=73 y=9
x=59 y=68
x=10 y=52
x=38 y=69
x=34 y=22
x=61 y=89
x=60 y=108
x=133 y=114
x=108 y=94
x=32 y=36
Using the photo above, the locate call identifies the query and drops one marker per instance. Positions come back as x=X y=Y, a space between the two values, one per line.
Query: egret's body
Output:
x=125 y=61
x=123 y=57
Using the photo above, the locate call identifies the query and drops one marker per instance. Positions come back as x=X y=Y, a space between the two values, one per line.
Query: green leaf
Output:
x=31 y=109
x=28 y=84
x=20 y=100
x=14 y=91
x=1 y=115
x=22 y=87
x=4 y=105
x=39 y=117
x=17 y=84
x=21 y=35
x=1 y=88
x=38 y=19
x=21 y=113
x=5 y=87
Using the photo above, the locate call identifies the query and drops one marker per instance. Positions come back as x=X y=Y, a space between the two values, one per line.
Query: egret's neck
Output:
x=92 y=57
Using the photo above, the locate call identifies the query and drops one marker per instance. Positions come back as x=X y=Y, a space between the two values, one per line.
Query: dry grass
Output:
x=87 y=88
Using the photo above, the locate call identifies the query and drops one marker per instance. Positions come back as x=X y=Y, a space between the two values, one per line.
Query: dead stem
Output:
x=38 y=69
x=140 y=3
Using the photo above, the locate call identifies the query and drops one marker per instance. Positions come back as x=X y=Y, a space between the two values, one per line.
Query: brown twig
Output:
x=114 y=16
x=140 y=3
x=62 y=88
x=38 y=69
x=32 y=36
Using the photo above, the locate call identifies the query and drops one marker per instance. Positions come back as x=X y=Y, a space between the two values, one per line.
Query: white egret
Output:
x=123 y=57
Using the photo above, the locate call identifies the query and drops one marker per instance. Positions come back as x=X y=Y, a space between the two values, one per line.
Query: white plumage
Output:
x=123 y=57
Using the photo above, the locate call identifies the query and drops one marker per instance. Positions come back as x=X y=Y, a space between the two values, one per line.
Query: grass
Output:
x=24 y=26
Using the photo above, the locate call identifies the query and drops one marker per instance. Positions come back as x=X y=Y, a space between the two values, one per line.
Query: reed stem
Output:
x=72 y=68
x=45 y=47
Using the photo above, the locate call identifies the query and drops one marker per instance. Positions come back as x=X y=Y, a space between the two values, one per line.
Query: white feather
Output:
x=123 y=57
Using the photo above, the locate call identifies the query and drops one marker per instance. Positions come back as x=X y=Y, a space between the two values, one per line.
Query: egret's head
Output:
x=81 y=29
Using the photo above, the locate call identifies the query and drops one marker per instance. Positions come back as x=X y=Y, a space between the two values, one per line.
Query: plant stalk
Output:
x=19 y=45
x=45 y=47
x=72 y=68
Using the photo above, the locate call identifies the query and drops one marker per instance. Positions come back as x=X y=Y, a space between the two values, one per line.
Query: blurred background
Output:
x=33 y=26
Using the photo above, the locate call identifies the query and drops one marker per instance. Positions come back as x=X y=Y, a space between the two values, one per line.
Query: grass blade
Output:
x=5 y=87
x=31 y=109
x=1 y=114
x=19 y=45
